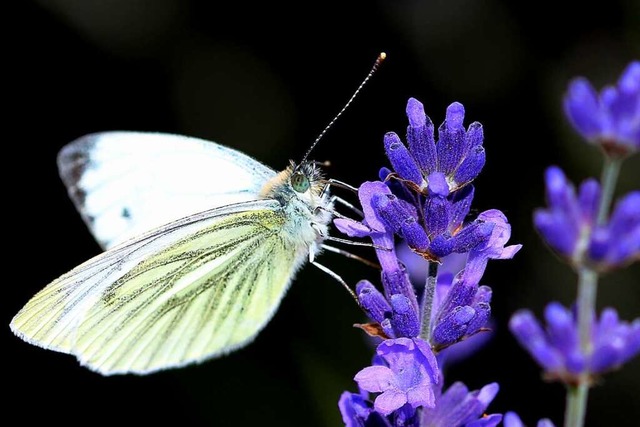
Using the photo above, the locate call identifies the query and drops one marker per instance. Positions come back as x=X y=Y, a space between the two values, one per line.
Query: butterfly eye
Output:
x=299 y=182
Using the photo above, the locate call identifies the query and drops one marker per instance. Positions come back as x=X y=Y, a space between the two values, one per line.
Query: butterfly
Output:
x=202 y=242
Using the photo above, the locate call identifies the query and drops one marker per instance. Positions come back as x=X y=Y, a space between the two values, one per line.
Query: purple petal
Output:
x=437 y=184
x=561 y=193
x=500 y=235
x=487 y=394
x=589 y=199
x=391 y=210
x=375 y=379
x=431 y=366
x=471 y=236
x=625 y=107
x=582 y=108
x=461 y=204
x=390 y=401
x=421 y=395
x=367 y=191
x=600 y=244
x=630 y=79
x=470 y=167
x=351 y=228
x=372 y=301
x=420 y=137
x=415 y=235
x=397 y=282
x=606 y=357
x=354 y=409
x=479 y=321
x=441 y=246
x=451 y=143
x=405 y=317
x=559 y=234
x=437 y=214
x=401 y=160
x=560 y=327
x=530 y=335
x=511 y=419
x=462 y=292
x=453 y=326
x=475 y=135
x=484 y=294
x=490 y=420
x=626 y=214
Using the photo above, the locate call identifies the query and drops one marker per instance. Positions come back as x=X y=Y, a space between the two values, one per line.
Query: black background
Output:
x=266 y=79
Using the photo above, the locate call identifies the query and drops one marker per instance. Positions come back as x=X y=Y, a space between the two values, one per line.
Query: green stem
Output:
x=576 y=405
x=577 y=395
x=427 y=301
x=608 y=180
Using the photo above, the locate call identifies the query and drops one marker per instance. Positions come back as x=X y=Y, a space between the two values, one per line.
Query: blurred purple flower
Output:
x=511 y=419
x=557 y=349
x=569 y=227
x=458 y=407
x=408 y=375
x=610 y=118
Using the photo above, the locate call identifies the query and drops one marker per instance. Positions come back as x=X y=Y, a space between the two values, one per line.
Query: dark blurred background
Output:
x=266 y=79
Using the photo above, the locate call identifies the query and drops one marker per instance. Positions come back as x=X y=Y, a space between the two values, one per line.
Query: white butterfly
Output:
x=202 y=243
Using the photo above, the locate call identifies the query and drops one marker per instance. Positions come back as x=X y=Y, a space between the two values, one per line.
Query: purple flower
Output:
x=357 y=411
x=557 y=349
x=406 y=378
x=511 y=419
x=461 y=304
x=430 y=184
x=461 y=310
x=610 y=118
x=442 y=167
x=569 y=226
x=433 y=228
x=458 y=407
x=394 y=276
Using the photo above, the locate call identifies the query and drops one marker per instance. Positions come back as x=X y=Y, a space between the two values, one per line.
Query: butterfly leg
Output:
x=342 y=201
x=351 y=256
x=335 y=183
x=347 y=241
x=337 y=278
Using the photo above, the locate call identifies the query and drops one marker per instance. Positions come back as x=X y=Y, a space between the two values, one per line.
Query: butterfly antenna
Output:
x=375 y=67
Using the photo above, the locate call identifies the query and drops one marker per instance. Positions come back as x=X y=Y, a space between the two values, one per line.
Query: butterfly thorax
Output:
x=301 y=191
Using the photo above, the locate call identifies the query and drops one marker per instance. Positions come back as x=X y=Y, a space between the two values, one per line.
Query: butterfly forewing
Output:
x=191 y=290
x=126 y=183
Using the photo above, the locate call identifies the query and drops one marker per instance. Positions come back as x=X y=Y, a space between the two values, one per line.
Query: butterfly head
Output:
x=303 y=181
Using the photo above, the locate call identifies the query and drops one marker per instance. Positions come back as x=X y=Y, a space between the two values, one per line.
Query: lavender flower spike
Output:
x=569 y=227
x=557 y=349
x=407 y=378
x=610 y=118
x=458 y=155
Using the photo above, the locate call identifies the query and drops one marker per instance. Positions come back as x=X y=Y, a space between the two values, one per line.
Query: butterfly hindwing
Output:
x=191 y=290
